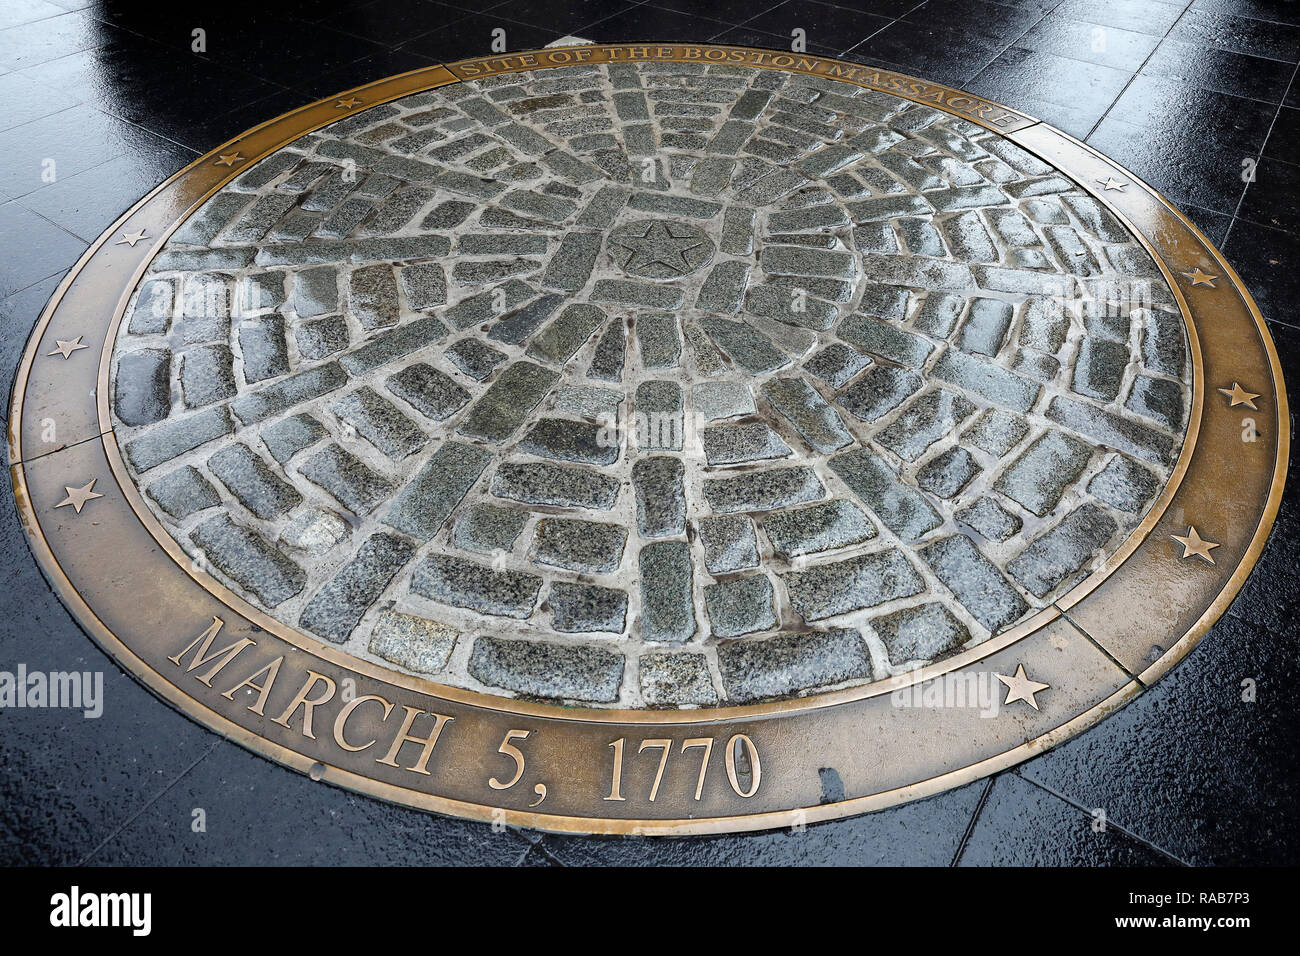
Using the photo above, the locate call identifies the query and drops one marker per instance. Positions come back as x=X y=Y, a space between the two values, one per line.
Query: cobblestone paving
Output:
x=651 y=385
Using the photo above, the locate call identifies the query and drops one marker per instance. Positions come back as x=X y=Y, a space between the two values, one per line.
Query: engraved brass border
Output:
x=1137 y=209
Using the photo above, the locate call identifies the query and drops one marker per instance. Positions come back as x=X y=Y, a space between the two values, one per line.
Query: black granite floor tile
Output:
x=207 y=132
x=1178 y=161
x=836 y=28
x=653 y=23
x=1211 y=68
x=27 y=11
x=1268 y=260
x=1192 y=767
x=42 y=250
x=1023 y=825
x=85 y=204
x=1020 y=77
x=938 y=51
x=567 y=15
x=744 y=36
x=301 y=823
x=1156 y=102
x=924 y=833
x=984 y=18
x=393 y=24
x=18 y=315
x=1277 y=11
x=366 y=70
x=1213 y=224
x=1141 y=16
x=472 y=36
x=1091 y=42
x=1284 y=138
x=731 y=11
x=43 y=40
x=26 y=100
x=1239 y=34
x=1273 y=198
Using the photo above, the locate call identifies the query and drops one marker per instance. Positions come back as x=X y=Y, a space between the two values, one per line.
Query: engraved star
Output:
x=1110 y=182
x=67 y=348
x=658 y=245
x=130 y=238
x=229 y=159
x=1020 y=687
x=347 y=104
x=1193 y=543
x=1239 y=396
x=77 y=497
x=1201 y=278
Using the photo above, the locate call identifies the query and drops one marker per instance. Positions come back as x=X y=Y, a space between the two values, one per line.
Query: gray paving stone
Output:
x=740 y=606
x=176 y=437
x=413 y=643
x=817 y=528
x=552 y=671
x=673 y=680
x=975 y=580
x=1124 y=484
x=985 y=379
x=985 y=327
x=925 y=632
x=571 y=264
x=885 y=340
x=948 y=473
x=631 y=292
x=1099 y=371
x=741 y=443
x=810 y=414
x=346 y=478
x=664 y=570
x=996 y=432
x=152 y=313
x=423 y=505
x=492 y=304
x=474 y=358
x=879 y=391
x=557 y=485
x=252 y=482
x=268 y=400
x=658 y=340
x=745 y=346
x=660 y=498
x=1061 y=553
x=1107 y=428
x=988 y=518
x=1041 y=474
x=263 y=350
x=431 y=392
x=424 y=285
x=838 y=587
x=206 y=374
x=287 y=437
x=583 y=608
x=660 y=415
x=459 y=583
x=378 y=421
x=566 y=440
x=836 y=364
x=487 y=528
x=247 y=559
x=142 y=386
x=313 y=530
x=183 y=492
x=901 y=508
x=1158 y=399
x=790 y=305
x=1164 y=346
x=590 y=402
x=320 y=338
x=567 y=333
x=777 y=666
x=932 y=416
x=502 y=409
x=763 y=490
x=337 y=608
x=591 y=547
x=315 y=291
x=713 y=401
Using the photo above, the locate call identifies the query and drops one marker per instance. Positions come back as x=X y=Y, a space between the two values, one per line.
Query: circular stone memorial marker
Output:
x=650 y=438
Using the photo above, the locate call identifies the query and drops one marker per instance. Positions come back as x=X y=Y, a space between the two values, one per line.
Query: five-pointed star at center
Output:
x=77 y=497
x=1110 y=182
x=1193 y=543
x=1020 y=687
x=1239 y=396
x=347 y=104
x=658 y=245
x=130 y=238
x=229 y=159
x=67 y=348
x=1201 y=278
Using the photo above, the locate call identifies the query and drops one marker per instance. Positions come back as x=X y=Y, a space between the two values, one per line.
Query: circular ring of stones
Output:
x=705 y=391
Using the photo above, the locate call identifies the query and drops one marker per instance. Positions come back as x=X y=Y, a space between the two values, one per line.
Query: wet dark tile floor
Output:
x=106 y=99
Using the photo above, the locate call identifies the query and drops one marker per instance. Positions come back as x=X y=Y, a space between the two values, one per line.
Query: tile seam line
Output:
x=1241 y=200
x=1136 y=73
x=1041 y=17
x=969 y=831
x=1111 y=657
x=1137 y=838
x=117 y=831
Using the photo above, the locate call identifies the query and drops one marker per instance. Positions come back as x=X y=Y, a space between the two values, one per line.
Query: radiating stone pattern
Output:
x=882 y=410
